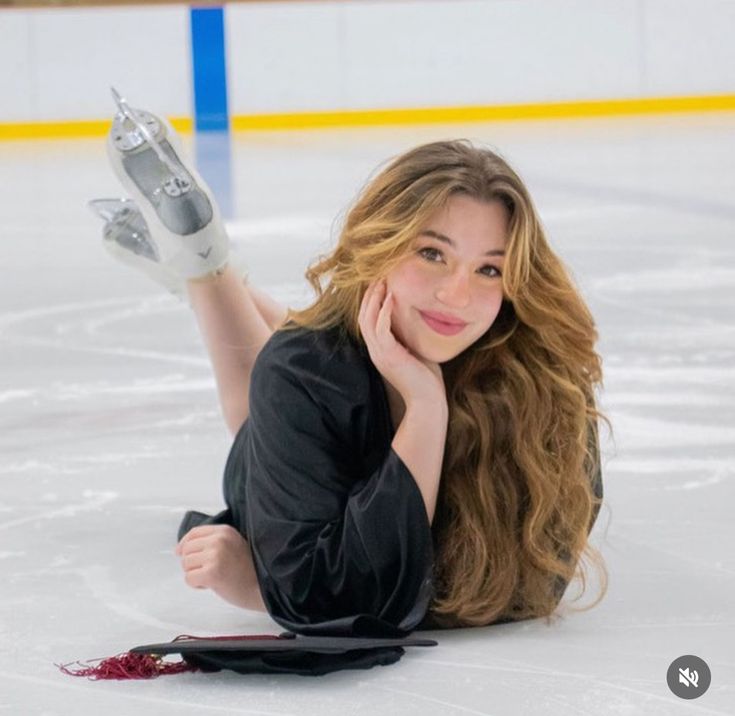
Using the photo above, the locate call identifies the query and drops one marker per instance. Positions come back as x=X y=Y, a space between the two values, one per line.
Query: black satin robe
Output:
x=339 y=533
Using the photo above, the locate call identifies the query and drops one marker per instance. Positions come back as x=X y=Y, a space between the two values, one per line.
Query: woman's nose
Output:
x=455 y=289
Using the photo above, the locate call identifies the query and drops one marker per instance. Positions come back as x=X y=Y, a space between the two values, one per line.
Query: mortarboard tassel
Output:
x=129 y=665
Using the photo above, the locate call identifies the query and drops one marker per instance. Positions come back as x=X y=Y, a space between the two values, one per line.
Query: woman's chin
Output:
x=428 y=348
x=433 y=354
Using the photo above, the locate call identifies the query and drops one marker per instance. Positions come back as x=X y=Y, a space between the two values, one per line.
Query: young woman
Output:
x=418 y=448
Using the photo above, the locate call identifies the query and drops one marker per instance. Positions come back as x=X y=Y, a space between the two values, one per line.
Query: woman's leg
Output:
x=236 y=320
x=234 y=331
x=272 y=311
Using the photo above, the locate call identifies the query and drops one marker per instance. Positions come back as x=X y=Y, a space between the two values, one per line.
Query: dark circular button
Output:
x=688 y=676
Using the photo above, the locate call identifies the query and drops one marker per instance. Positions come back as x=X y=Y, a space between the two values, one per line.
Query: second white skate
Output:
x=178 y=207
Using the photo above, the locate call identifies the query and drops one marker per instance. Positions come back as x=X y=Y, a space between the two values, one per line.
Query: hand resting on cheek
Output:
x=416 y=379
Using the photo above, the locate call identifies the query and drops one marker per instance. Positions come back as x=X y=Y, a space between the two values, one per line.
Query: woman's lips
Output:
x=446 y=329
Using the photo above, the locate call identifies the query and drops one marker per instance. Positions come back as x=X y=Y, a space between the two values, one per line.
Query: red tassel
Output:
x=128 y=666
x=146 y=666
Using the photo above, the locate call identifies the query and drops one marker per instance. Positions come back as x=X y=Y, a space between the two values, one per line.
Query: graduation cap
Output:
x=250 y=654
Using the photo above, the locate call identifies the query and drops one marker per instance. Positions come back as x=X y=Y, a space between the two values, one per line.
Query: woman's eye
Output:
x=435 y=251
x=492 y=271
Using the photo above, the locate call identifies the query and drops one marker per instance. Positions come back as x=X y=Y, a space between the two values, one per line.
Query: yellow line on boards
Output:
x=555 y=110
x=424 y=115
x=76 y=129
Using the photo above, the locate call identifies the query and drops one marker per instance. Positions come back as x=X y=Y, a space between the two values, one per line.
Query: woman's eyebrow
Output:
x=447 y=240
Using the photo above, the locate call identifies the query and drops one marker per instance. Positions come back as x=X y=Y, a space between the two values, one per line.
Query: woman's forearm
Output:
x=419 y=442
x=234 y=332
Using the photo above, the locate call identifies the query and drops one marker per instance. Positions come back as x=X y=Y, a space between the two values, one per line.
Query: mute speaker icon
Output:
x=688 y=678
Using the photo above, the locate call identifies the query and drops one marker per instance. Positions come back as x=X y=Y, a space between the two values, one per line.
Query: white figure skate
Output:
x=177 y=205
x=127 y=237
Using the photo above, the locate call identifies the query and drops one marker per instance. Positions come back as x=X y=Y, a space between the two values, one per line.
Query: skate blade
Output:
x=125 y=227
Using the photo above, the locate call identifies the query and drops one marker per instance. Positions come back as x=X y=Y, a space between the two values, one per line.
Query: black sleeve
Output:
x=336 y=550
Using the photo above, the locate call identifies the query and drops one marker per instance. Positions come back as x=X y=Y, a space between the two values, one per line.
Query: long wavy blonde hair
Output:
x=516 y=501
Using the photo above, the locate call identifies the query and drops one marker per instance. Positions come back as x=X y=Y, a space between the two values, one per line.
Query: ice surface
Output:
x=110 y=426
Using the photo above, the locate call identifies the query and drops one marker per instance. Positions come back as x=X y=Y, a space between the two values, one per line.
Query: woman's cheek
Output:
x=395 y=316
x=398 y=318
x=495 y=307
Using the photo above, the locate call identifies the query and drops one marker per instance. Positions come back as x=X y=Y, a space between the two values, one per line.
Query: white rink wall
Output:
x=57 y=64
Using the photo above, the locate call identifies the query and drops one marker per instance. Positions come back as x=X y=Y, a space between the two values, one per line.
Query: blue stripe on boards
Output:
x=214 y=162
x=209 y=68
x=211 y=116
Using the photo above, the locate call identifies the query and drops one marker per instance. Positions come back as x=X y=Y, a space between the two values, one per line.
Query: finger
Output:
x=368 y=326
x=193 y=561
x=199 y=532
x=202 y=530
x=195 y=545
x=196 y=578
x=193 y=533
x=374 y=305
x=181 y=545
x=383 y=323
x=367 y=296
x=364 y=310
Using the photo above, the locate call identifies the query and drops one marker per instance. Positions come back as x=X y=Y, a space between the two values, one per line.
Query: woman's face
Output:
x=448 y=272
